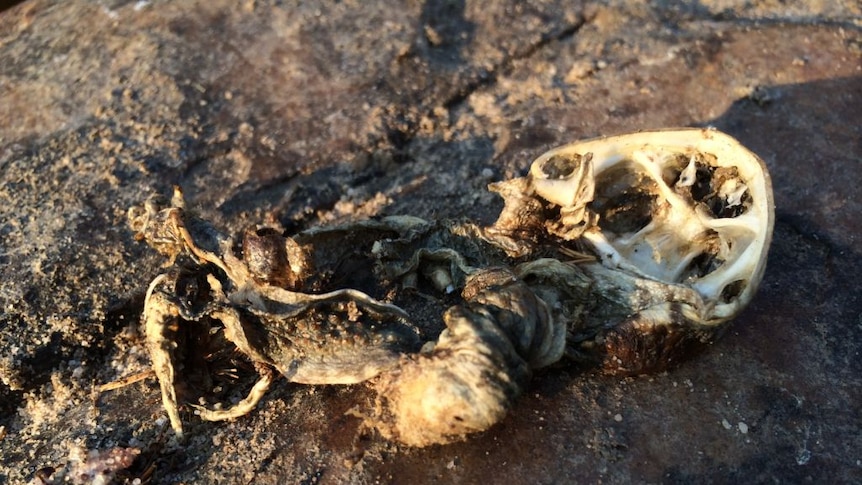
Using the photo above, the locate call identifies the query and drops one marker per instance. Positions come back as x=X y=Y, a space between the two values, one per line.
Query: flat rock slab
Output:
x=316 y=114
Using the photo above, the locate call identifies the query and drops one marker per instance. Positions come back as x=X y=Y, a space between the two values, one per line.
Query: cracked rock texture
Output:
x=332 y=111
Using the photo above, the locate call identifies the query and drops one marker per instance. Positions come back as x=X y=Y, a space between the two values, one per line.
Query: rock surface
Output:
x=325 y=112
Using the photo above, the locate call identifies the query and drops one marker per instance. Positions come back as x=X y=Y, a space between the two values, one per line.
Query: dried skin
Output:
x=634 y=325
x=475 y=371
x=466 y=385
x=333 y=341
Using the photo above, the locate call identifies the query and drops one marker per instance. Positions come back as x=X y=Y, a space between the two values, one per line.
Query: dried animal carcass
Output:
x=627 y=252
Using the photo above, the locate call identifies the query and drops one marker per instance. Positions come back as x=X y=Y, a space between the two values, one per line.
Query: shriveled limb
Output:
x=267 y=376
x=160 y=319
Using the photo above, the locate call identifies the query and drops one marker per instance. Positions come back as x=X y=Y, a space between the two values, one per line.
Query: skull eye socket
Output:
x=562 y=166
x=559 y=167
x=625 y=200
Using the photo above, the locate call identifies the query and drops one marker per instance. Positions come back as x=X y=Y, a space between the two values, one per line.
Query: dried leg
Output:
x=160 y=319
x=267 y=376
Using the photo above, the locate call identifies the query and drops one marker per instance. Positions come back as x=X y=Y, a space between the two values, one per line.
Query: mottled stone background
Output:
x=332 y=111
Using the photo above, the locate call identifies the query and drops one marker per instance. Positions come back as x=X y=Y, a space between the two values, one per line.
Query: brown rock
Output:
x=309 y=113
